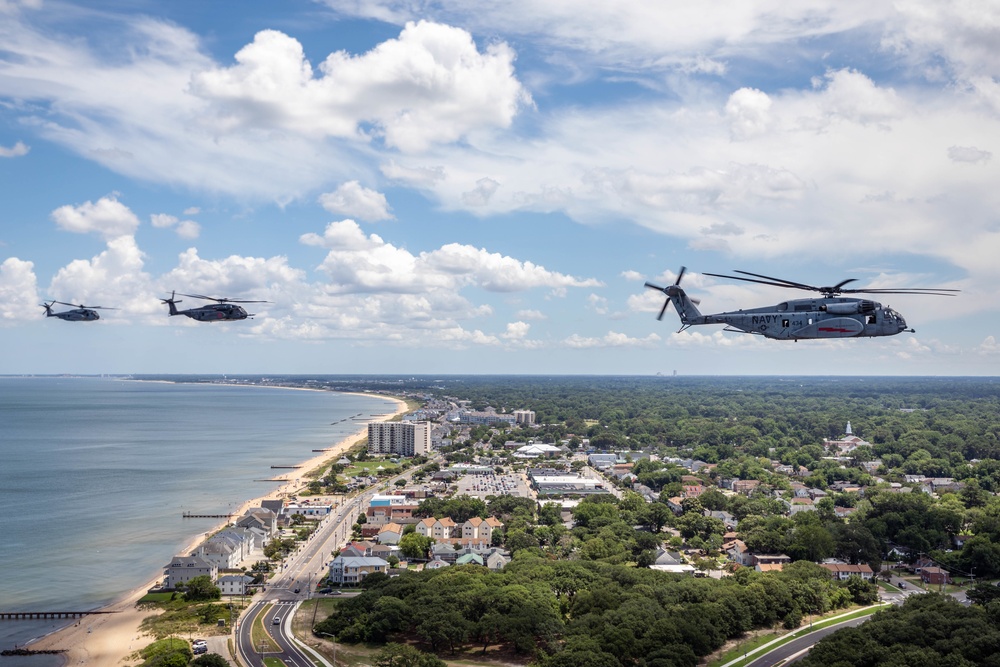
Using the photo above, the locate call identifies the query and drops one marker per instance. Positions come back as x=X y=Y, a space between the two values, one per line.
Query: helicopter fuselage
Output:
x=826 y=317
x=78 y=315
x=215 y=312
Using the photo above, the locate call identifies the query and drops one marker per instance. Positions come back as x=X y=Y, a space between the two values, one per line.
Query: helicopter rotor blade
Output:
x=680 y=275
x=664 y=290
x=80 y=305
x=222 y=299
x=926 y=291
x=790 y=283
x=762 y=282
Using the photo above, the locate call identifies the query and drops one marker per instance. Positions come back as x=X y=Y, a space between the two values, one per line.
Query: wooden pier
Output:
x=26 y=615
x=285 y=467
x=192 y=515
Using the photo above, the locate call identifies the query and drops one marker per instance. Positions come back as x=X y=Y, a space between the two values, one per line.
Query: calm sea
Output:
x=95 y=475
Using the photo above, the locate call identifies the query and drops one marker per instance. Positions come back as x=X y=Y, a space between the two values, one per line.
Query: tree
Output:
x=202 y=588
x=415 y=545
x=210 y=660
x=402 y=655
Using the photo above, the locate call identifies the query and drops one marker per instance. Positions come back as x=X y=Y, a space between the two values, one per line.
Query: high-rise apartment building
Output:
x=402 y=438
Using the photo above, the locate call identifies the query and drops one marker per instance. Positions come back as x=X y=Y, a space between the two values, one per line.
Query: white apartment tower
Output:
x=402 y=438
x=526 y=417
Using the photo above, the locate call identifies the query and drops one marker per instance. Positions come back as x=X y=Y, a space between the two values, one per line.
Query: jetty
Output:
x=192 y=515
x=285 y=467
x=28 y=615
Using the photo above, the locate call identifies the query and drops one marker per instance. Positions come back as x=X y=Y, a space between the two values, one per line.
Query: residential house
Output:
x=470 y=559
x=667 y=561
x=769 y=567
x=439 y=529
x=311 y=511
x=436 y=564
x=234 y=584
x=351 y=570
x=796 y=505
x=771 y=559
x=740 y=554
x=934 y=576
x=390 y=533
x=727 y=519
x=260 y=518
x=745 y=486
x=183 y=569
x=497 y=560
x=842 y=571
x=221 y=552
x=362 y=548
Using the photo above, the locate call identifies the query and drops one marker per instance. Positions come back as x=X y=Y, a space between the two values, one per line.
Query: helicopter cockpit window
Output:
x=781 y=307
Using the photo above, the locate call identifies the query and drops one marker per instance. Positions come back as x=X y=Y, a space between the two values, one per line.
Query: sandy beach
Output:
x=107 y=640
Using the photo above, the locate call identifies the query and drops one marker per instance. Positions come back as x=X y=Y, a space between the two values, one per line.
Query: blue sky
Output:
x=422 y=187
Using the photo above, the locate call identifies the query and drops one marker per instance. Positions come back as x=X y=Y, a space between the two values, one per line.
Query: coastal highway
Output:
x=301 y=570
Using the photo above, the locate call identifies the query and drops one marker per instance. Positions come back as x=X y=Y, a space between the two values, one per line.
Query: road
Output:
x=798 y=645
x=301 y=570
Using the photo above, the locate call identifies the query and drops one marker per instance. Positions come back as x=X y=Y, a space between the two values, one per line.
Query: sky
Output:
x=451 y=187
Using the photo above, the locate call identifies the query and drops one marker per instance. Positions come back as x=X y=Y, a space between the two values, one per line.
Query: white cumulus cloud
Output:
x=356 y=201
x=429 y=85
x=108 y=217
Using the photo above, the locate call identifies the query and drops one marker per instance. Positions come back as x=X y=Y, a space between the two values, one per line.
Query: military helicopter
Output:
x=829 y=316
x=80 y=313
x=223 y=309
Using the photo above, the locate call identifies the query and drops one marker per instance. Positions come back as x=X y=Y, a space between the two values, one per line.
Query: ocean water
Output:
x=95 y=475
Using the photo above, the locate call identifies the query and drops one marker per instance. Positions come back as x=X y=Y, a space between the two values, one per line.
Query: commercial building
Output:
x=402 y=438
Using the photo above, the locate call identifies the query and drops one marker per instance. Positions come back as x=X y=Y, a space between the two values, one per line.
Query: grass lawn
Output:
x=183 y=618
x=261 y=636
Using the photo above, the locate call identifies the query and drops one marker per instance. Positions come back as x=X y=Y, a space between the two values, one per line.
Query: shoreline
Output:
x=107 y=640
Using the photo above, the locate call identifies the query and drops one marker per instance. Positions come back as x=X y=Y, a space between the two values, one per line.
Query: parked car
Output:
x=325 y=590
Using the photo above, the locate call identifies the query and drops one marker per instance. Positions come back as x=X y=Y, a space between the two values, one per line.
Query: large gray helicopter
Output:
x=222 y=310
x=80 y=313
x=829 y=316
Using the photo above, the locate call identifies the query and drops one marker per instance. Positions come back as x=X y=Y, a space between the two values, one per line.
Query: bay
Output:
x=95 y=475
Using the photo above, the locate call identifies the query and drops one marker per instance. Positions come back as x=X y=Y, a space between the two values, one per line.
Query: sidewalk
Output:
x=827 y=622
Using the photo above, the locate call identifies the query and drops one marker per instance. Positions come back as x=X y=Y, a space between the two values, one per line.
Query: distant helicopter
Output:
x=223 y=309
x=80 y=313
x=830 y=316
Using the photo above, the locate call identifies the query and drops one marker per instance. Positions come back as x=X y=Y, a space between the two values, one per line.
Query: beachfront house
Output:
x=221 y=552
x=183 y=569
x=261 y=519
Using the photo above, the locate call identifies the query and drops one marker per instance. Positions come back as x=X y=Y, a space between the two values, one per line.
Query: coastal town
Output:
x=446 y=484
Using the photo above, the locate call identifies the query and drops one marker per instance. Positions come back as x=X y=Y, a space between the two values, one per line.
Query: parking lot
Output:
x=481 y=485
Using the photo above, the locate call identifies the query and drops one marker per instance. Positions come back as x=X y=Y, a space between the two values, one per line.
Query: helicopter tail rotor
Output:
x=171 y=302
x=674 y=292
